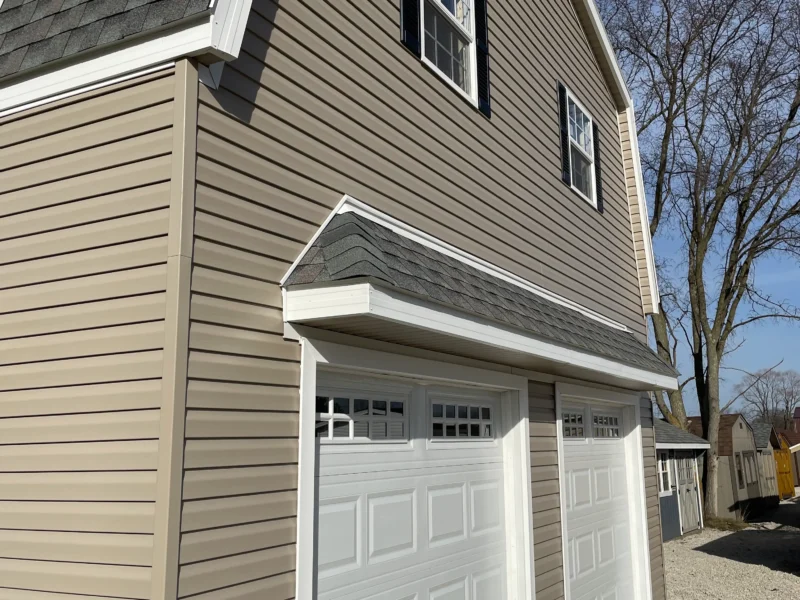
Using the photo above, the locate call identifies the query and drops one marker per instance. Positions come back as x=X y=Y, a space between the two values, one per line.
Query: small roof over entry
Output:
x=364 y=278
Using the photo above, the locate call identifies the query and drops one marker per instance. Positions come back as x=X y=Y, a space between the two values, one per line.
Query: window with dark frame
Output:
x=739 y=471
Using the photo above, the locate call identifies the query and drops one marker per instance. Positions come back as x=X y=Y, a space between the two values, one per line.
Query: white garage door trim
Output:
x=516 y=449
x=629 y=403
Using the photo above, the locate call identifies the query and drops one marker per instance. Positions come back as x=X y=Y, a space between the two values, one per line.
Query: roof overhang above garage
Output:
x=368 y=310
x=367 y=275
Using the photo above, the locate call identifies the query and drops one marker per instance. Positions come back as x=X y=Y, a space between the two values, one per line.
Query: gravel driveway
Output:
x=761 y=562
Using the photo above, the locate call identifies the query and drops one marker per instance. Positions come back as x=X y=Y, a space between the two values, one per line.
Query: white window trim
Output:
x=659 y=472
x=516 y=448
x=472 y=96
x=629 y=403
x=593 y=200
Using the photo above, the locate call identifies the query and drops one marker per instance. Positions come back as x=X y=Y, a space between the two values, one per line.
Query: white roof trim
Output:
x=350 y=204
x=608 y=55
x=671 y=446
x=219 y=34
x=308 y=305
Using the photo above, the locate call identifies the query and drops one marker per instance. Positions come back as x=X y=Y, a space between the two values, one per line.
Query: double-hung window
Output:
x=451 y=38
x=448 y=43
x=581 y=149
x=580 y=163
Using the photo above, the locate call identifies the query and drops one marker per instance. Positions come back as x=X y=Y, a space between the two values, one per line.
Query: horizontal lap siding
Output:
x=238 y=525
x=652 y=501
x=637 y=219
x=324 y=100
x=84 y=197
x=547 y=550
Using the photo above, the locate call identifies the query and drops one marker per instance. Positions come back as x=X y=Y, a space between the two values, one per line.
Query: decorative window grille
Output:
x=461 y=421
x=572 y=423
x=606 y=426
x=358 y=418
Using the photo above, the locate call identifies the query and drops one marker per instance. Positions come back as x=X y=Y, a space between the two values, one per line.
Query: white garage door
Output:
x=600 y=562
x=410 y=492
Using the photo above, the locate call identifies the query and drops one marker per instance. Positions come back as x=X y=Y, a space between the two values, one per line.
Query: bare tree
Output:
x=717 y=91
x=770 y=396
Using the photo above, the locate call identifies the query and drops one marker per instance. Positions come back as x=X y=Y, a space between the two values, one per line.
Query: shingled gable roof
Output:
x=353 y=247
x=37 y=32
x=762 y=432
x=726 y=422
x=668 y=435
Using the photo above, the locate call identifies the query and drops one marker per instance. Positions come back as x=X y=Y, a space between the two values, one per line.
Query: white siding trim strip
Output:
x=669 y=446
x=364 y=299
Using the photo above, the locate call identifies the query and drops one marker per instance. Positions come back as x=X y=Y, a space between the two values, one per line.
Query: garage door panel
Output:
x=599 y=561
x=422 y=518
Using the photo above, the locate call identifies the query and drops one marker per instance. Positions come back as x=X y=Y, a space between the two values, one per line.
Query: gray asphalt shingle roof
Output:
x=669 y=434
x=35 y=32
x=761 y=433
x=352 y=246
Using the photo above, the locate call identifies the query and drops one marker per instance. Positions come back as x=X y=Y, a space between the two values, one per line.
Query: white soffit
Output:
x=219 y=34
x=308 y=305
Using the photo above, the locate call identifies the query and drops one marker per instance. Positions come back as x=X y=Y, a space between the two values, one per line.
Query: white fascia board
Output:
x=219 y=34
x=607 y=50
x=350 y=204
x=671 y=446
x=364 y=299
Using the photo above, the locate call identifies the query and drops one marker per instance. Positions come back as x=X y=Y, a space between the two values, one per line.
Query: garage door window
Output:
x=573 y=424
x=362 y=419
x=461 y=421
x=605 y=426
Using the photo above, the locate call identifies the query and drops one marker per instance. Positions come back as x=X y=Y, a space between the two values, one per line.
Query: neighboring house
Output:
x=323 y=299
x=737 y=472
x=783 y=461
x=793 y=442
x=768 y=446
x=678 y=479
x=796 y=419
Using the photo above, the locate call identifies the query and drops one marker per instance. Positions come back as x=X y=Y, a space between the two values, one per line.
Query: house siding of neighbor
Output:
x=150 y=391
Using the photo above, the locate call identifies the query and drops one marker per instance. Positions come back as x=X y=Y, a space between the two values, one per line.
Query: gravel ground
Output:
x=760 y=562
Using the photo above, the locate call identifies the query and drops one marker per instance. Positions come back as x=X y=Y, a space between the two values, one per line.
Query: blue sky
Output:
x=766 y=342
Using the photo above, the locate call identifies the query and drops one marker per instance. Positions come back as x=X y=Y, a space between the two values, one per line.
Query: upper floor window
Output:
x=580 y=160
x=448 y=43
x=451 y=37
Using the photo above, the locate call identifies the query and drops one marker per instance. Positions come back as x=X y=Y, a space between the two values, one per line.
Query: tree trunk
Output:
x=711 y=433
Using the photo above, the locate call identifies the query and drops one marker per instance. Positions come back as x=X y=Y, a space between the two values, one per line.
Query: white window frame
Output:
x=513 y=426
x=629 y=403
x=593 y=199
x=469 y=36
x=659 y=471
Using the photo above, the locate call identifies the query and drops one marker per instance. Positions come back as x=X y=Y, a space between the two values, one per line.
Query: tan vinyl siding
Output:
x=84 y=215
x=546 y=503
x=638 y=227
x=652 y=503
x=238 y=524
x=324 y=100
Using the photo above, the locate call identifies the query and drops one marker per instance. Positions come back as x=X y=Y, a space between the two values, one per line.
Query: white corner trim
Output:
x=350 y=204
x=219 y=34
x=644 y=216
x=671 y=446
x=364 y=299
x=228 y=23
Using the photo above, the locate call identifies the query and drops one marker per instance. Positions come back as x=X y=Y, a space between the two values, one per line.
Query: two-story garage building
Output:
x=336 y=300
